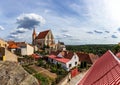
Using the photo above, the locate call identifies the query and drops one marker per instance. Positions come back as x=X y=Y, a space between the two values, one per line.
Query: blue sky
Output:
x=71 y=21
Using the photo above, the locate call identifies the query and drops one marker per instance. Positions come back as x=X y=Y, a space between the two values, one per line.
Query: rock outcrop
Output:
x=12 y=73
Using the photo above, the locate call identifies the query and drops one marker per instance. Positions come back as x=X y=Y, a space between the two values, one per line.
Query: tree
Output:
x=116 y=49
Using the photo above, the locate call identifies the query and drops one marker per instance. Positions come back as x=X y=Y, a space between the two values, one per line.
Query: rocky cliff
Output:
x=12 y=73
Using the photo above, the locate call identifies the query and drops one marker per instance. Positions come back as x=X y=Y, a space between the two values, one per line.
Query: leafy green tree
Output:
x=116 y=49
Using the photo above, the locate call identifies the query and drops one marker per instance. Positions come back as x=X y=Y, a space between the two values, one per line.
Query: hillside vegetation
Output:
x=96 y=49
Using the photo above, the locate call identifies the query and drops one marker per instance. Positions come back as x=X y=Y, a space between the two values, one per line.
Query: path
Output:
x=44 y=71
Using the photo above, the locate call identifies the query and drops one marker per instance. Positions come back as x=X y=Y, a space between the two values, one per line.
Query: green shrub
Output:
x=43 y=79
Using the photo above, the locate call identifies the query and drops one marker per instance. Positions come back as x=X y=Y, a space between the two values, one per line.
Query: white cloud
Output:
x=30 y=21
x=1 y=28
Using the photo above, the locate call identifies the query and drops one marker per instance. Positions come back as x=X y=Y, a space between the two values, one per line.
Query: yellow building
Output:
x=3 y=43
x=6 y=55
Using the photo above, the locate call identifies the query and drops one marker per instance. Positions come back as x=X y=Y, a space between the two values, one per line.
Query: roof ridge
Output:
x=115 y=57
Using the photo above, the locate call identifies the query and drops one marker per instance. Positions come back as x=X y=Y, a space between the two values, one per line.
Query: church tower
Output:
x=33 y=36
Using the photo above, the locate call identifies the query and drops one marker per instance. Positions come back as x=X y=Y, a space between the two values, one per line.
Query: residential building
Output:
x=12 y=46
x=89 y=58
x=25 y=48
x=6 y=55
x=68 y=60
x=3 y=43
x=20 y=48
x=105 y=71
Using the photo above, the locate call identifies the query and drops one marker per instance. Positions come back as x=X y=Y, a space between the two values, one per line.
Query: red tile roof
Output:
x=93 y=57
x=68 y=55
x=42 y=35
x=36 y=56
x=105 y=71
x=84 y=57
x=65 y=54
x=63 y=60
x=12 y=45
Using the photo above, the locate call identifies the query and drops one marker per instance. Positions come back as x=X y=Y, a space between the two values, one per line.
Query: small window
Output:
x=69 y=65
x=75 y=63
x=51 y=60
x=75 y=57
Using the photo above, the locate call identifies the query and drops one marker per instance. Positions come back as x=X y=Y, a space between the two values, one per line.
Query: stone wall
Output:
x=12 y=73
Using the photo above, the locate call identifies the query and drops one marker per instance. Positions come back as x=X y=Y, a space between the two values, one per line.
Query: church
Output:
x=43 y=39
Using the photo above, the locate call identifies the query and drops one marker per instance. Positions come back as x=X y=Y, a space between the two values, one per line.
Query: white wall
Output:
x=72 y=62
x=30 y=50
x=23 y=51
x=66 y=66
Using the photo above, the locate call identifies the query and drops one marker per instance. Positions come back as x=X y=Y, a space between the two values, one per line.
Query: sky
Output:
x=73 y=22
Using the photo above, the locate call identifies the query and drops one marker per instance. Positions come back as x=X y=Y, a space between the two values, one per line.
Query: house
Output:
x=68 y=60
x=105 y=71
x=12 y=46
x=20 y=48
x=6 y=55
x=43 y=39
x=3 y=43
x=24 y=48
x=89 y=58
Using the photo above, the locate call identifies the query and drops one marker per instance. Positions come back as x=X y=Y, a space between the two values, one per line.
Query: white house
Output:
x=68 y=60
x=25 y=48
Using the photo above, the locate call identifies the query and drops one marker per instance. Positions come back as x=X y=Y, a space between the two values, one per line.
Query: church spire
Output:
x=34 y=32
x=34 y=36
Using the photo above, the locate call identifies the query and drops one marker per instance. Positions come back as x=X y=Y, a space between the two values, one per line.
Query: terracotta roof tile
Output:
x=93 y=57
x=13 y=46
x=105 y=71
x=84 y=57
x=68 y=55
x=63 y=60
x=42 y=35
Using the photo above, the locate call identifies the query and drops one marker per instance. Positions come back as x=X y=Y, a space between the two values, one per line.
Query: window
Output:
x=75 y=57
x=69 y=65
x=51 y=60
x=75 y=63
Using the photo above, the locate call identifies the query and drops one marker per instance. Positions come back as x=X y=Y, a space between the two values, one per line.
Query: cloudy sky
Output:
x=71 y=21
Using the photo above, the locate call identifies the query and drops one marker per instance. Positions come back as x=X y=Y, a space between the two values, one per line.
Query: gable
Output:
x=43 y=34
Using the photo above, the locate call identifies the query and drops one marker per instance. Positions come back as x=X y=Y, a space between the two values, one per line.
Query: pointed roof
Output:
x=34 y=32
x=42 y=35
x=62 y=60
x=105 y=71
x=84 y=57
